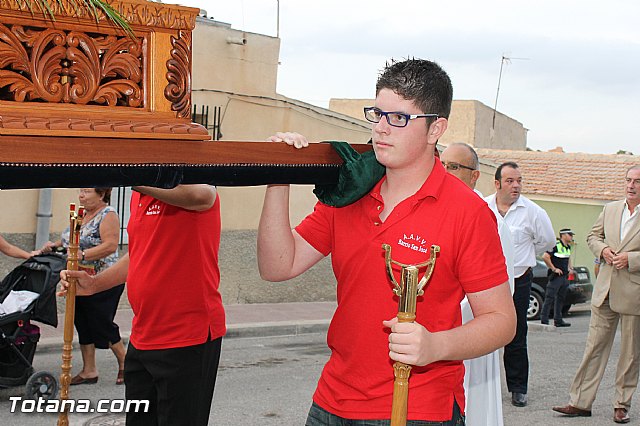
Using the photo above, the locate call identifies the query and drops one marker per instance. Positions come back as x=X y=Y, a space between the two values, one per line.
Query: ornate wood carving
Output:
x=136 y=127
x=76 y=76
x=178 y=91
x=59 y=66
x=143 y=13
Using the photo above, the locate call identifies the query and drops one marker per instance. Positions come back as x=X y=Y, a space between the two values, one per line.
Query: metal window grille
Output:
x=202 y=117
x=120 y=199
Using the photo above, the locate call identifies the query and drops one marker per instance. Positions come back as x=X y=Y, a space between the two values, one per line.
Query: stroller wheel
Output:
x=41 y=385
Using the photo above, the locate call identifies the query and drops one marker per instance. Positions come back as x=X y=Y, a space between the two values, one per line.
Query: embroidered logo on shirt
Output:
x=153 y=210
x=414 y=242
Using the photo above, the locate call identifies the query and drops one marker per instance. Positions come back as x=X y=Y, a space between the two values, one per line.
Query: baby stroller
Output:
x=34 y=278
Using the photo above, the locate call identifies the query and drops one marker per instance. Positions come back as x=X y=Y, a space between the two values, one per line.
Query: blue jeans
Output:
x=321 y=417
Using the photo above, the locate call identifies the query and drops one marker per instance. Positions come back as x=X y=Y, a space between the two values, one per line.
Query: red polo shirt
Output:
x=357 y=381
x=173 y=274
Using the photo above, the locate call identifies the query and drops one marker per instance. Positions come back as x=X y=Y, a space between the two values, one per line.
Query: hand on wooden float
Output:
x=290 y=138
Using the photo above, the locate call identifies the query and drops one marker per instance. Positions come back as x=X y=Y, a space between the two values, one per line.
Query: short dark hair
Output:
x=421 y=81
x=104 y=193
x=511 y=164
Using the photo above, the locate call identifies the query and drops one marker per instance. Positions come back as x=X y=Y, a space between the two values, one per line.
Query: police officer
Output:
x=558 y=261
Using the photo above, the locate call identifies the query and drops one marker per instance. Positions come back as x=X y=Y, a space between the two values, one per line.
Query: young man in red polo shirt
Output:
x=172 y=278
x=415 y=205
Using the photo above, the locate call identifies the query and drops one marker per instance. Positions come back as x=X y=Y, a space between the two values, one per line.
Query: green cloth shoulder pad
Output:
x=358 y=175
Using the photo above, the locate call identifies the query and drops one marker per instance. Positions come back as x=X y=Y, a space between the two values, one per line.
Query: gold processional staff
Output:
x=75 y=222
x=408 y=291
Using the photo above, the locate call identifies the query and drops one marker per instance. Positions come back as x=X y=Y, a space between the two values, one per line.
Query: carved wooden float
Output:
x=78 y=77
x=84 y=104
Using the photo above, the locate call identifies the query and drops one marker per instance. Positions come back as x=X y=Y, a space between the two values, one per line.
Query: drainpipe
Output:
x=44 y=217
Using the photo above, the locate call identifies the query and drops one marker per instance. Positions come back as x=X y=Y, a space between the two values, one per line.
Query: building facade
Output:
x=234 y=76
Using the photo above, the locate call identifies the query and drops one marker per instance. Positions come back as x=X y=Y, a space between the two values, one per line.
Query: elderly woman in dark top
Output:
x=95 y=314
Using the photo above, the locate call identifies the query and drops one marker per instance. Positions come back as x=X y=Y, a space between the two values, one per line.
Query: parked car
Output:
x=580 y=289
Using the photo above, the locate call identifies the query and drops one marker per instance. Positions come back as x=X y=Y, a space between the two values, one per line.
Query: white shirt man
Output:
x=531 y=231
x=532 y=234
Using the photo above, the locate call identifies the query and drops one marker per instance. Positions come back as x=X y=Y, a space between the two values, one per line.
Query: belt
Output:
x=524 y=273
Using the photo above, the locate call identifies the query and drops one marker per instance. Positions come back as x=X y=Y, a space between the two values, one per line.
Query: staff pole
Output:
x=75 y=222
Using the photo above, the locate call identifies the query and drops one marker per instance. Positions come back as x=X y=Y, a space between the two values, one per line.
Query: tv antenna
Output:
x=507 y=60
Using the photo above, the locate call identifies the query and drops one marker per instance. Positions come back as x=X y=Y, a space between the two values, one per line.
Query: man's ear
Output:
x=437 y=129
x=496 y=182
x=475 y=175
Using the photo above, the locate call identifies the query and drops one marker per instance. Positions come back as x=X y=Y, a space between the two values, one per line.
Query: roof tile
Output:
x=574 y=175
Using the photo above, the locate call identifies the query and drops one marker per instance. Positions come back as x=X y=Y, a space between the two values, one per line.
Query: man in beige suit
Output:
x=615 y=239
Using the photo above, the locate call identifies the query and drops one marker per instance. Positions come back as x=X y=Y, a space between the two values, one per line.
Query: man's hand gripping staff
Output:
x=408 y=291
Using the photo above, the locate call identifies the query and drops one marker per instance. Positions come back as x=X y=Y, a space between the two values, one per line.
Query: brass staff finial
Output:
x=408 y=291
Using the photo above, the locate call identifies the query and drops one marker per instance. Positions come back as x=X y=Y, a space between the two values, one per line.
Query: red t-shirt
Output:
x=173 y=274
x=357 y=381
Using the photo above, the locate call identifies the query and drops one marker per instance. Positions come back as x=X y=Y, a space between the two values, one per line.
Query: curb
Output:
x=272 y=329
x=279 y=328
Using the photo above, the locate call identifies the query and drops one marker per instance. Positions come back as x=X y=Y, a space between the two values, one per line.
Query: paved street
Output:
x=554 y=357
x=269 y=381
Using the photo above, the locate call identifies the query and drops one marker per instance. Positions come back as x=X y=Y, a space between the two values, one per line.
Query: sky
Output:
x=573 y=77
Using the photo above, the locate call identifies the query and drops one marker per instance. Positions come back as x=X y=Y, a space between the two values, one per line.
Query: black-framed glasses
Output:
x=450 y=165
x=395 y=119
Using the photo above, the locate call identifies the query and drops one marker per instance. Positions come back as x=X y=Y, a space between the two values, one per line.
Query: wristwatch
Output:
x=83 y=255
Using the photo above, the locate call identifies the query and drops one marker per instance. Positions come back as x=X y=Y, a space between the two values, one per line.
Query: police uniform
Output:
x=558 y=283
